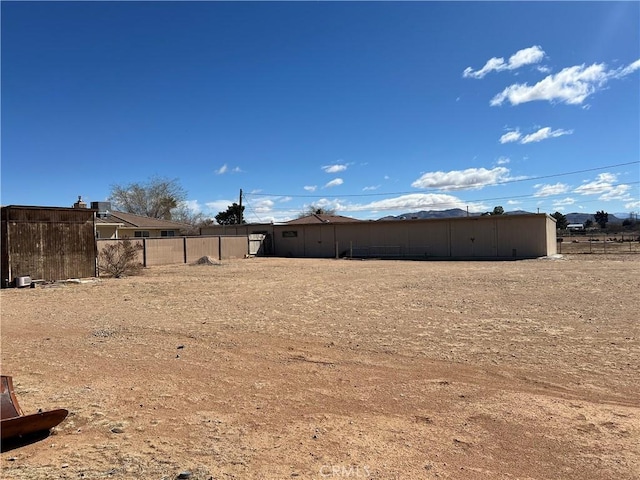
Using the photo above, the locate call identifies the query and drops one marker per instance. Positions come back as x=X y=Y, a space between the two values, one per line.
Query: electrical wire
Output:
x=463 y=187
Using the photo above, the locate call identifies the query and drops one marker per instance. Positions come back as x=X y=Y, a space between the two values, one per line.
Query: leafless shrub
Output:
x=120 y=259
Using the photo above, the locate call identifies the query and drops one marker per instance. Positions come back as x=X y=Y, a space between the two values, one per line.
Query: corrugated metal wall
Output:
x=47 y=243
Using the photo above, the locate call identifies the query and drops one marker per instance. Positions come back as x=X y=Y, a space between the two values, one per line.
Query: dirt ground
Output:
x=268 y=368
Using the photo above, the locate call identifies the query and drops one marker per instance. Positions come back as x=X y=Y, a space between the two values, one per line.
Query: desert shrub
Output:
x=120 y=259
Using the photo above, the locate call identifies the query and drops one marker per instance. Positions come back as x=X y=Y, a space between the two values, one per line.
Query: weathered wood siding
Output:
x=47 y=243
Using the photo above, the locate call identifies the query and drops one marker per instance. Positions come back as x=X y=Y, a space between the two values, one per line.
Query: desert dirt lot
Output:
x=290 y=368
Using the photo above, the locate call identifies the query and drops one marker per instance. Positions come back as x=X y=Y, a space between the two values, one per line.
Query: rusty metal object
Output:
x=14 y=423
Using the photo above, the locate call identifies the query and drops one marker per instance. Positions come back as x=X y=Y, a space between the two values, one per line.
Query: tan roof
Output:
x=138 y=221
x=322 y=218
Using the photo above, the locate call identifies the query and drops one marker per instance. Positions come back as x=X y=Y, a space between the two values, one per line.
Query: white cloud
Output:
x=328 y=203
x=219 y=205
x=192 y=205
x=418 y=201
x=564 y=202
x=225 y=169
x=262 y=206
x=543 y=134
x=572 y=85
x=526 y=56
x=635 y=205
x=617 y=192
x=632 y=67
x=604 y=185
x=334 y=183
x=372 y=187
x=334 y=168
x=471 y=178
x=512 y=136
x=285 y=199
x=513 y=202
x=545 y=190
x=503 y=160
x=310 y=188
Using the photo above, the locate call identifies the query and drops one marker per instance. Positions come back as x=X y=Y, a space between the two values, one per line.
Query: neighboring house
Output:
x=322 y=218
x=121 y=225
x=113 y=224
x=575 y=227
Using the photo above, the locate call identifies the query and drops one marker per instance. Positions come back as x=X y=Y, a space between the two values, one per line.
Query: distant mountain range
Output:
x=458 y=212
x=583 y=217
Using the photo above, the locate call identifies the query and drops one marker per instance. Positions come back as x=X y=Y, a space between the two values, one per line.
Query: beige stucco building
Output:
x=478 y=237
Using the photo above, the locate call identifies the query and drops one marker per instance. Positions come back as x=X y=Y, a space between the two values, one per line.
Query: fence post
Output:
x=184 y=248
x=144 y=252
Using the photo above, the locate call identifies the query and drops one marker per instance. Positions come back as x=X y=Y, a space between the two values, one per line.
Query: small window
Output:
x=289 y=233
x=167 y=233
x=141 y=233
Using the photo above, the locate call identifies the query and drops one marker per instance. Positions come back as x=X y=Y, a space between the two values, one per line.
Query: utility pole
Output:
x=240 y=208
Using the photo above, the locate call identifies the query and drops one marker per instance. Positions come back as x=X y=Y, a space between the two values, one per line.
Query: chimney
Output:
x=80 y=203
x=103 y=208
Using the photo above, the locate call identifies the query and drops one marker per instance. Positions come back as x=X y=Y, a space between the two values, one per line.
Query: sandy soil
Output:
x=287 y=368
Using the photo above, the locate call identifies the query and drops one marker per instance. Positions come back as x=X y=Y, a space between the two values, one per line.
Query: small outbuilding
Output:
x=47 y=243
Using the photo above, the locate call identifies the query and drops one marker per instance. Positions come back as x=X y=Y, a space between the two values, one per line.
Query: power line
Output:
x=464 y=187
x=462 y=201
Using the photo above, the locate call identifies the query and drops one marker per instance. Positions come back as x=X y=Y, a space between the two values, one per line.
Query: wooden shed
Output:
x=47 y=243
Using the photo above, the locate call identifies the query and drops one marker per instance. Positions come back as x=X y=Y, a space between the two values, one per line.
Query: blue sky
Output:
x=371 y=108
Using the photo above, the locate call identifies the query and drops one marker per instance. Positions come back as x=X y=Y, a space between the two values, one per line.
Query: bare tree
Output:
x=316 y=210
x=156 y=198
x=193 y=221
